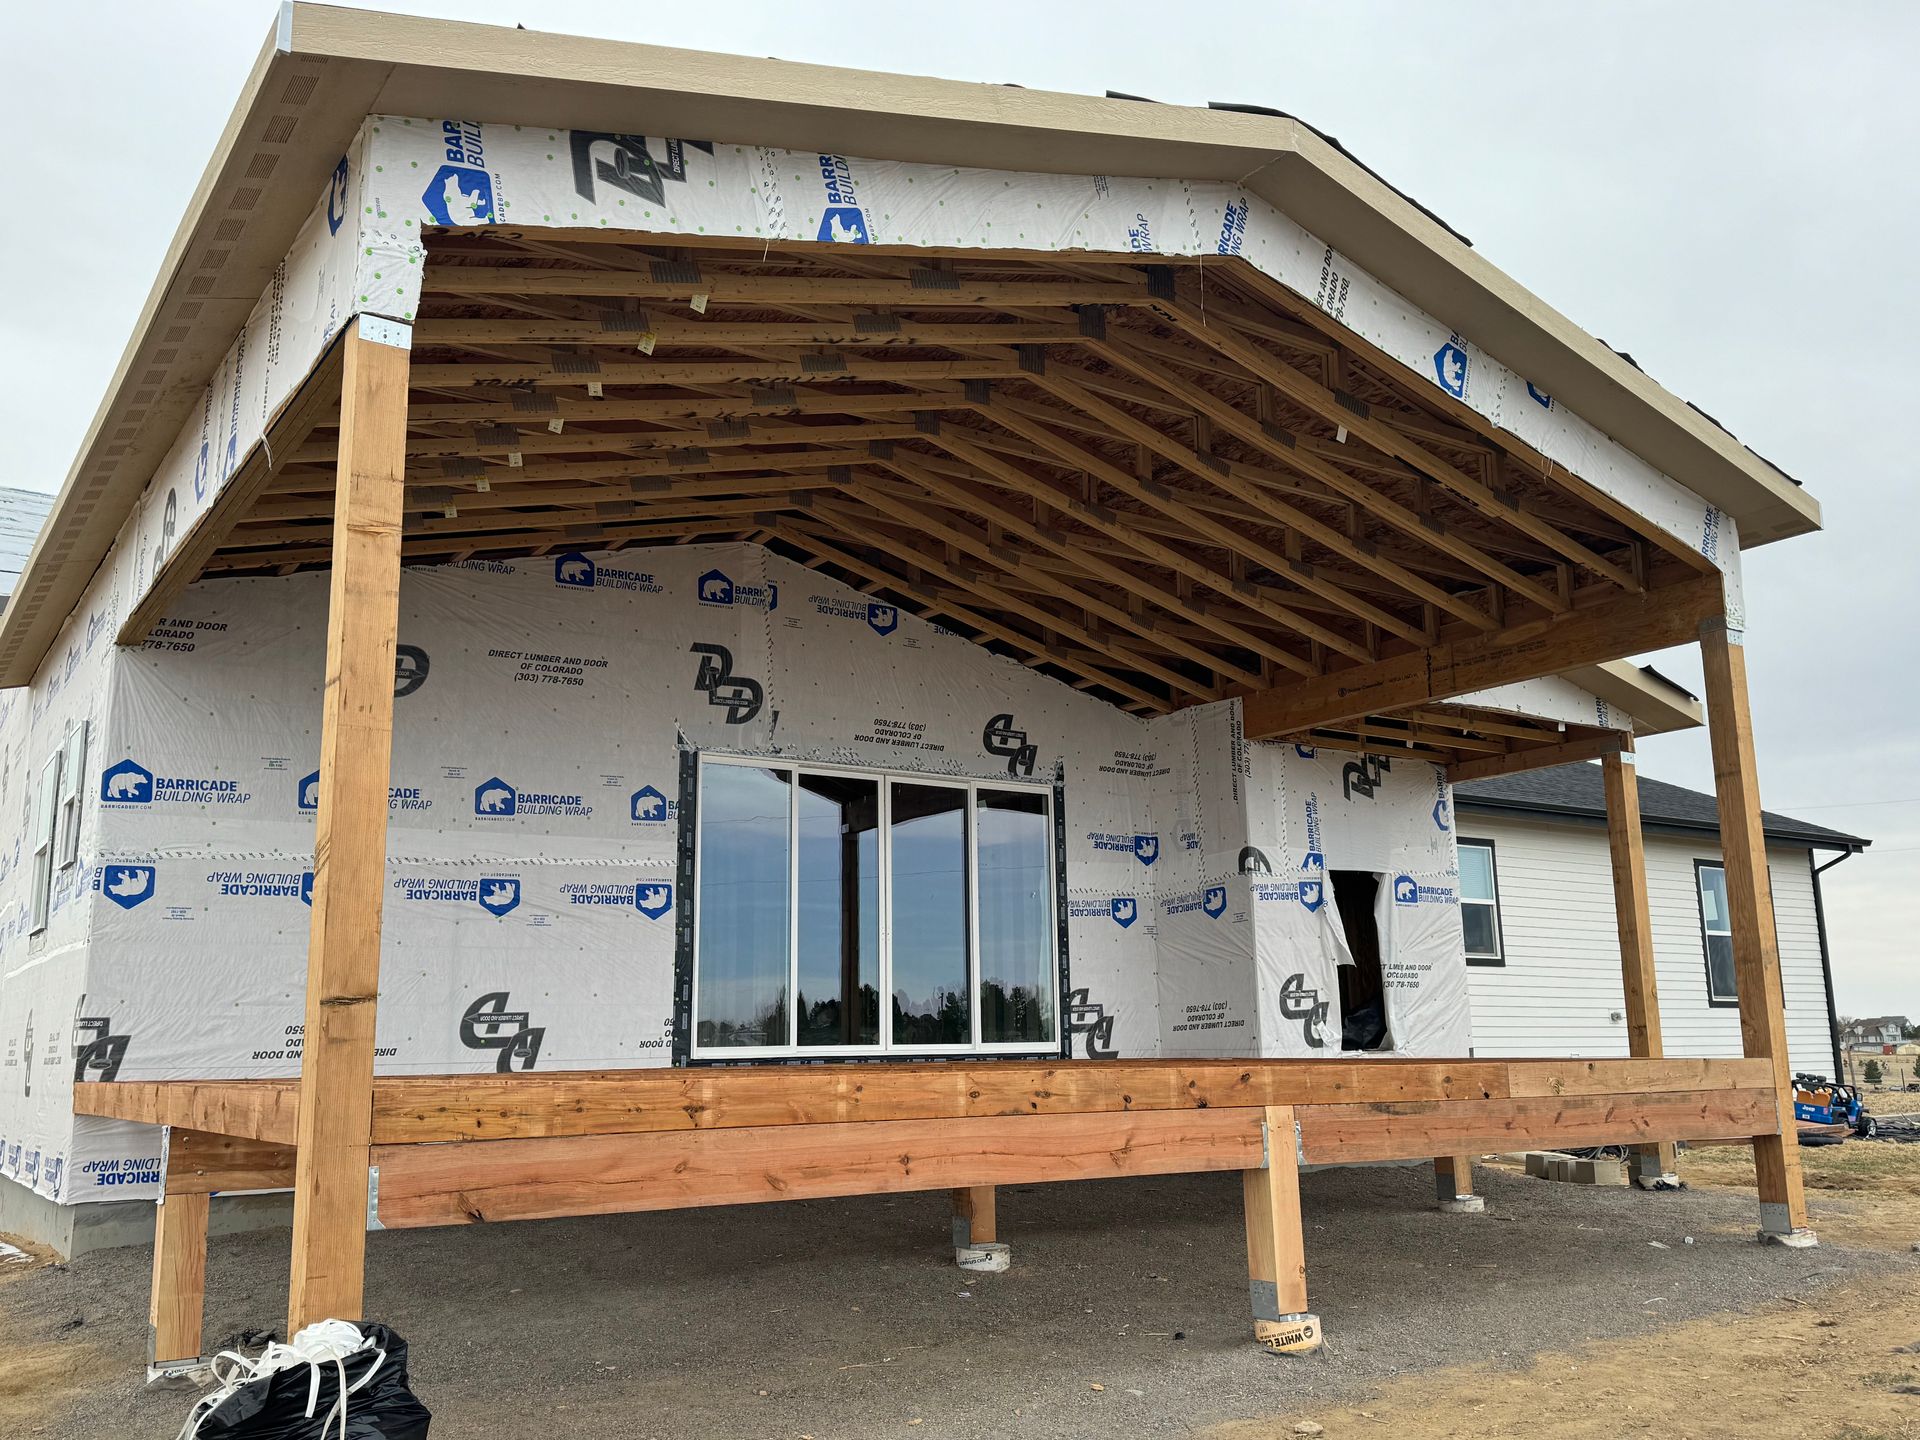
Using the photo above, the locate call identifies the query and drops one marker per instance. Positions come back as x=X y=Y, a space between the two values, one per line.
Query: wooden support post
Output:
x=973 y=1220
x=179 y=1283
x=1276 y=1252
x=1654 y=1166
x=350 y=833
x=1756 y=955
x=1453 y=1185
x=976 y=1236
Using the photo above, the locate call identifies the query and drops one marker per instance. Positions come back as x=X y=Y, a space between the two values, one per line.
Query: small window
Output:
x=1716 y=930
x=1480 y=903
x=72 y=767
x=46 y=816
x=871 y=913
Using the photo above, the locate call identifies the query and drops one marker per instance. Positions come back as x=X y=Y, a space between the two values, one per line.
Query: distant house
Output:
x=1875 y=1031
x=1543 y=955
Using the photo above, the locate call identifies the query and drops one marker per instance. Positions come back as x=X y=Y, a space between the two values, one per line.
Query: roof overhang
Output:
x=324 y=69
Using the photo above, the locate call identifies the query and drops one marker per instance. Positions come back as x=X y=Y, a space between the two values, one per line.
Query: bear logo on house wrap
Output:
x=716 y=588
x=128 y=783
x=460 y=195
x=499 y=895
x=127 y=885
x=574 y=570
x=1146 y=848
x=495 y=799
x=884 y=619
x=1406 y=891
x=648 y=805
x=309 y=797
x=843 y=225
x=653 y=900
x=1214 y=901
x=1124 y=909
x=1313 y=877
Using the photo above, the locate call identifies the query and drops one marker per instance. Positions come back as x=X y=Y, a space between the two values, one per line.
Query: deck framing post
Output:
x=1453 y=1185
x=976 y=1233
x=1276 y=1245
x=1654 y=1166
x=1756 y=953
x=350 y=833
x=176 y=1308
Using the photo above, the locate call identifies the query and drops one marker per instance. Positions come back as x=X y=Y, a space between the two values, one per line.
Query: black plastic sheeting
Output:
x=285 y=1405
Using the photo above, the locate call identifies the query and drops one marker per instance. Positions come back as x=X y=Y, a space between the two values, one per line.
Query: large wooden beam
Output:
x=1633 y=917
x=1349 y=1134
x=1756 y=954
x=613 y=1174
x=350 y=833
x=1624 y=625
x=1540 y=757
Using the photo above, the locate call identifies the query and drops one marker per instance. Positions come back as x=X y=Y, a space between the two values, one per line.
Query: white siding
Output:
x=1559 y=992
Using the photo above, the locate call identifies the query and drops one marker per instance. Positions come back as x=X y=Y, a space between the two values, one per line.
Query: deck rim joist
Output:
x=489 y=1107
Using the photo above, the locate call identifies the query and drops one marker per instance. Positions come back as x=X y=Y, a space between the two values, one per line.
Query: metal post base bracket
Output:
x=1801 y=1239
x=986 y=1258
x=179 y=1374
x=1289 y=1335
x=1465 y=1205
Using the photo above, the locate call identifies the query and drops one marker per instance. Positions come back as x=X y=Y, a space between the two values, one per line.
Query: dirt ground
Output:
x=1585 y=1311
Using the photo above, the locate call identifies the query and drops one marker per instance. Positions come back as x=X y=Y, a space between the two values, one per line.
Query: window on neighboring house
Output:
x=871 y=912
x=46 y=817
x=1716 y=930
x=1480 y=903
x=72 y=766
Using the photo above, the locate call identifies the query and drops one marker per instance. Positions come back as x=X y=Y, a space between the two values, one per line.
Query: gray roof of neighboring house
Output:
x=21 y=515
x=1578 y=791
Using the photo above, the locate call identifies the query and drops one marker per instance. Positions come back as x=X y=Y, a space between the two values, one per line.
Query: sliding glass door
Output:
x=859 y=912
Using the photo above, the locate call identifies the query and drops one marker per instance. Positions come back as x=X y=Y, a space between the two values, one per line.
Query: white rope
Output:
x=325 y=1342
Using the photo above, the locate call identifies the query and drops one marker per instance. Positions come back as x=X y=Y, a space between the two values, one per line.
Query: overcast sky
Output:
x=1726 y=190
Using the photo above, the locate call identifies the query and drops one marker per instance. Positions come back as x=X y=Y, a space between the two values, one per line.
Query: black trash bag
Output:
x=275 y=1406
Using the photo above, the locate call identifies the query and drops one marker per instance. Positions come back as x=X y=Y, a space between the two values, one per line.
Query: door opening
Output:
x=1363 y=995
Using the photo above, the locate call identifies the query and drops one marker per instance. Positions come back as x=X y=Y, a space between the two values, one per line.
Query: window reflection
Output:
x=1016 y=917
x=930 y=1005
x=745 y=818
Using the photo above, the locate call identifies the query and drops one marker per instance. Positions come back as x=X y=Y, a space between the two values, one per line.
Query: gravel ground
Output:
x=1125 y=1308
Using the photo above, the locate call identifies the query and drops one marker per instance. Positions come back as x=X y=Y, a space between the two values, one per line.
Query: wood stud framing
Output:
x=1161 y=484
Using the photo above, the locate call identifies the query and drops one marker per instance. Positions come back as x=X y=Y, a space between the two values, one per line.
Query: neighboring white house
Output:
x=1542 y=949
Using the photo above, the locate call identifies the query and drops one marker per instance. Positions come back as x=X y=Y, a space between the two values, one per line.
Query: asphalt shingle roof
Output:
x=1578 y=790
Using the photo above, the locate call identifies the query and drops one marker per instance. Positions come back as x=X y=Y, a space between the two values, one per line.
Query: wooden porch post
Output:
x=350 y=832
x=178 y=1301
x=1656 y=1163
x=1756 y=956
x=976 y=1235
x=1453 y=1185
x=1276 y=1251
